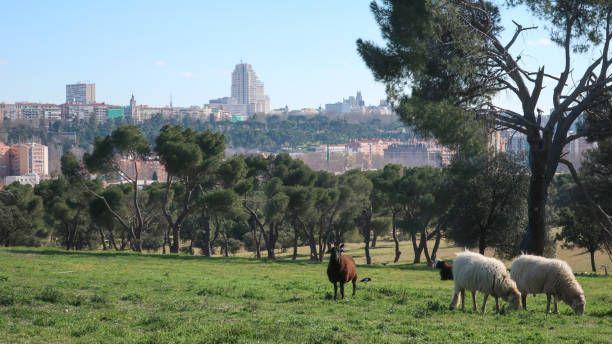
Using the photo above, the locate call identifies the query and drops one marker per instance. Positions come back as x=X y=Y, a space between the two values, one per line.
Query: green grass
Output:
x=53 y=296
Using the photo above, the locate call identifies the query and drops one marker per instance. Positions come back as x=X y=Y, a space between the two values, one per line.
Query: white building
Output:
x=81 y=93
x=29 y=178
x=249 y=90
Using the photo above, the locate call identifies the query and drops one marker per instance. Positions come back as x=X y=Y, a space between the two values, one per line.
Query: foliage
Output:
x=21 y=215
x=443 y=62
x=489 y=202
x=582 y=227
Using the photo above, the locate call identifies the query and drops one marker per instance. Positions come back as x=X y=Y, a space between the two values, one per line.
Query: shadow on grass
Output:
x=112 y=254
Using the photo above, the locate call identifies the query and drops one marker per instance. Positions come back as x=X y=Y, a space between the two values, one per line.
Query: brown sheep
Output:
x=341 y=268
x=446 y=270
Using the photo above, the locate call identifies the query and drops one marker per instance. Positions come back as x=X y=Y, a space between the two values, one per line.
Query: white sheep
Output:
x=539 y=275
x=473 y=271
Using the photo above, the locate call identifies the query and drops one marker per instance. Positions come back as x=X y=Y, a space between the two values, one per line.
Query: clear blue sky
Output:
x=303 y=51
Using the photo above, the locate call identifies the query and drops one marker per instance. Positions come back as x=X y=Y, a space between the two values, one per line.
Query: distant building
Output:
x=248 y=90
x=371 y=147
x=229 y=104
x=132 y=111
x=29 y=158
x=28 y=178
x=357 y=105
x=149 y=170
x=81 y=93
x=415 y=153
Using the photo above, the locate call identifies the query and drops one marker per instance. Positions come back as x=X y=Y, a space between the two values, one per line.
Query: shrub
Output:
x=234 y=245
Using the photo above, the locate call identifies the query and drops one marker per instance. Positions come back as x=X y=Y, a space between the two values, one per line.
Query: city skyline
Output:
x=305 y=52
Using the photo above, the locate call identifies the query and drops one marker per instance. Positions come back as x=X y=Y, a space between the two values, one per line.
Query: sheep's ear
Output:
x=341 y=245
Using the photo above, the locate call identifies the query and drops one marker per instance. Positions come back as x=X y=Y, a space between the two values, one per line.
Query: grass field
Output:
x=53 y=296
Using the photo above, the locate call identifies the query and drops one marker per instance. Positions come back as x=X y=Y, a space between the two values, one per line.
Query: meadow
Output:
x=52 y=296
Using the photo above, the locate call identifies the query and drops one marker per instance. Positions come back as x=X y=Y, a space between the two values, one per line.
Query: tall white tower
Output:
x=249 y=90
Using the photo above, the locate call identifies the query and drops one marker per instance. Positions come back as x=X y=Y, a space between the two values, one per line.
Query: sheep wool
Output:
x=553 y=277
x=475 y=272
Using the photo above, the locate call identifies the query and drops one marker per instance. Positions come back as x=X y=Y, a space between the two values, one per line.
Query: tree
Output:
x=21 y=213
x=386 y=183
x=451 y=55
x=222 y=203
x=421 y=192
x=67 y=211
x=128 y=143
x=582 y=226
x=191 y=159
x=580 y=231
x=365 y=209
x=489 y=202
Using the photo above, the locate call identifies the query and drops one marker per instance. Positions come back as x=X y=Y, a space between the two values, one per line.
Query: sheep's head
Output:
x=578 y=304
x=336 y=252
x=513 y=297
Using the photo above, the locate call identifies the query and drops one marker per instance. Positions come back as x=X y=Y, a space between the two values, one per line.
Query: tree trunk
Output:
x=205 y=223
x=296 y=235
x=542 y=169
x=593 y=267
x=366 y=241
x=374 y=237
x=482 y=244
x=225 y=241
x=425 y=249
x=434 y=251
x=272 y=238
x=102 y=239
x=398 y=253
x=112 y=240
x=123 y=242
x=417 y=249
x=312 y=243
x=176 y=239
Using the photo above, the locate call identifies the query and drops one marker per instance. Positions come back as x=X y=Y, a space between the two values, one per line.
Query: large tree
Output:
x=126 y=143
x=489 y=202
x=445 y=60
x=192 y=159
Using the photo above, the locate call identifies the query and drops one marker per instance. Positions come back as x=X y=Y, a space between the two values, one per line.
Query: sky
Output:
x=303 y=51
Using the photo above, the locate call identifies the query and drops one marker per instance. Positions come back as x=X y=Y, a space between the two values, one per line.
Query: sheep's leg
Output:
x=547 y=303
x=555 y=300
x=335 y=291
x=524 y=301
x=354 y=286
x=342 y=289
x=496 y=304
x=474 y=300
x=484 y=303
x=463 y=299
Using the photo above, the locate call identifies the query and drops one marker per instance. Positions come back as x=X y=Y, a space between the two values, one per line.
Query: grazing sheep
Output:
x=475 y=272
x=341 y=268
x=446 y=270
x=539 y=275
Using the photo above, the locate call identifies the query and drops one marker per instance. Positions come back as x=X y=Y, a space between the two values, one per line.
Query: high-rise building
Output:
x=81 y=93
x=248 y=89
x=29 y=158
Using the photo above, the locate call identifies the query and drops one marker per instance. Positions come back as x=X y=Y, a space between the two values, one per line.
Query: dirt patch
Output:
x=26 y=255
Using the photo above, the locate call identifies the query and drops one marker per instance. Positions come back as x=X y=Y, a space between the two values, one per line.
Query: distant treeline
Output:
x=269 y=134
